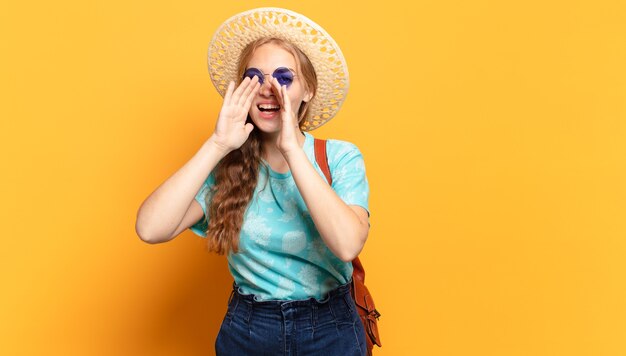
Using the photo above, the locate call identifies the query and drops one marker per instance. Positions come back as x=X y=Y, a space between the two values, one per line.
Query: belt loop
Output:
x=332 y=312
x=232 y=293
x=250 y=308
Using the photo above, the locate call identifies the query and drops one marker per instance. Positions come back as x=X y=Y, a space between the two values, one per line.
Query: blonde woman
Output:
x=256 y=193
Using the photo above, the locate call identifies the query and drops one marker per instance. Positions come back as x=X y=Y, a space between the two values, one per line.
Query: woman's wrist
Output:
x=217 y=147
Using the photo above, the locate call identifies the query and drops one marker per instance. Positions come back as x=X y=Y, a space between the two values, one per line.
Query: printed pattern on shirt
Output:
x=282 y=255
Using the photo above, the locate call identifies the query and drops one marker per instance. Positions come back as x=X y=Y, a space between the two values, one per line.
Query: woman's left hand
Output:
x=288 y=137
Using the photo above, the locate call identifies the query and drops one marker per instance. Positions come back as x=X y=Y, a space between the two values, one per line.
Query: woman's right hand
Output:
x=231 y=130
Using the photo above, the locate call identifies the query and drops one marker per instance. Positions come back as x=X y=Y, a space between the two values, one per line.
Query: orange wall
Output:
x=494 y=139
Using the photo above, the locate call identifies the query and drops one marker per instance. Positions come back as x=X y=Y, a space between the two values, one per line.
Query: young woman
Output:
x=256 y=192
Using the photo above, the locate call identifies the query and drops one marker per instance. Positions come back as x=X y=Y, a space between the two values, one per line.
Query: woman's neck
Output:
x=270 y=148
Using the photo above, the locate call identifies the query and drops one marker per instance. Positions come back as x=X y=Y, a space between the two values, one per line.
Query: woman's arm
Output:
x=163 y=211
x=344 y=228
x=161 y=214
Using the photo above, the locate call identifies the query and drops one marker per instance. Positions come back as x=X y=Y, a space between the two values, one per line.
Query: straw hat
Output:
x=323 y=52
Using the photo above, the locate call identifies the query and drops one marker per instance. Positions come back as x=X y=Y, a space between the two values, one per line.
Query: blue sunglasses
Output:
x=284 y=75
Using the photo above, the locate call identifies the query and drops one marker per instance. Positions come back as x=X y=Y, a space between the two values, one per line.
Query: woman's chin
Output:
x=266 y=126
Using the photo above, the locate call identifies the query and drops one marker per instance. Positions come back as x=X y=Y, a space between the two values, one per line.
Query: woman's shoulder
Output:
x=338 y=150
x=339 y=147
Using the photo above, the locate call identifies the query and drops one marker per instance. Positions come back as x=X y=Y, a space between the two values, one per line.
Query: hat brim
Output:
x=328 y=61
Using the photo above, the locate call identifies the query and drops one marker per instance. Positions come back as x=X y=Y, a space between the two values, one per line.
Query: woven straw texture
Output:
x=323 y=52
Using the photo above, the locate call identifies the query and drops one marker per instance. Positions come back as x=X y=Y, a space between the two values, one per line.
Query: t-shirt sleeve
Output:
x=203 y=198
x=347 y=168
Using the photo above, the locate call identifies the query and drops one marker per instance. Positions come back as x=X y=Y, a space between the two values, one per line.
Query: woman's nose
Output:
x=266 y=87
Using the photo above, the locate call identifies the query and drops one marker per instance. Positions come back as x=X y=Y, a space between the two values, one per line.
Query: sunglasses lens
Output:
x=252 y=72
x=284 y=76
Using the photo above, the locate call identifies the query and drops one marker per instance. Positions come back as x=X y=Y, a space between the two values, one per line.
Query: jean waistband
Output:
x=338 y=291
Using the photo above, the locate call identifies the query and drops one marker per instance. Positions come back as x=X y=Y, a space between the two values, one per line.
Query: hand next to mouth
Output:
x=288 y=138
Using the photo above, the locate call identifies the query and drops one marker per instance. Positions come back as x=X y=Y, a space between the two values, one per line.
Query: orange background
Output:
x=494 y=140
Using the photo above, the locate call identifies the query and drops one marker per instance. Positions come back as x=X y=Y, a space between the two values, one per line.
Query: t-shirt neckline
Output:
x=308 y=139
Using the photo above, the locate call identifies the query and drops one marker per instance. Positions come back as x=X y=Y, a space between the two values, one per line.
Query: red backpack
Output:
x=360 y=293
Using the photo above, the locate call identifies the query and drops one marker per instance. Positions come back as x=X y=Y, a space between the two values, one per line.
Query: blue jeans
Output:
x=330 y=326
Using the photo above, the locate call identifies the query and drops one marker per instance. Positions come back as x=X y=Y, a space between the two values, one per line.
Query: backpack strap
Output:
x=322 y=160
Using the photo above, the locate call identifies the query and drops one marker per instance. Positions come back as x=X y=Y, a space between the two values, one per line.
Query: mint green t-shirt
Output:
x=281 y=254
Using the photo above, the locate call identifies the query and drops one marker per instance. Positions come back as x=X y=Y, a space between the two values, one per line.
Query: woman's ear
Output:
x=307 y=97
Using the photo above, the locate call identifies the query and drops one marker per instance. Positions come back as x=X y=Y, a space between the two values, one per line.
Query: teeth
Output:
x=269 y=106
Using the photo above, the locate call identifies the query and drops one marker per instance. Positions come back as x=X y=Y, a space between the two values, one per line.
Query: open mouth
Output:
x=268 y=107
